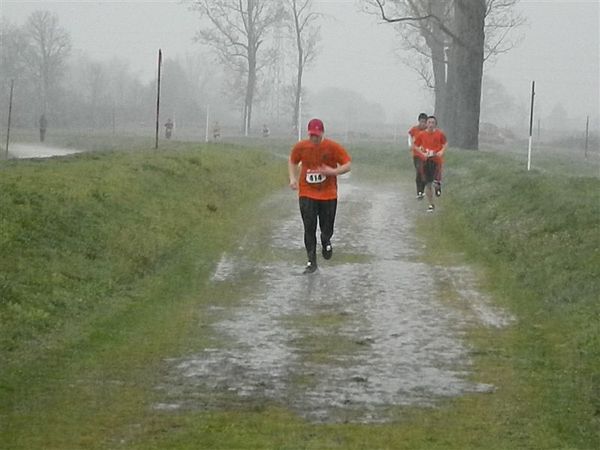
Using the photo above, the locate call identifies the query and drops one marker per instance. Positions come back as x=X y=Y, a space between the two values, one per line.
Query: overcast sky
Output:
x=560 y=49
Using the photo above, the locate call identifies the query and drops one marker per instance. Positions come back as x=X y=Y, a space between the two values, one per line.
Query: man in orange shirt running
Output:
x=433 y=143
x=419 y=158
x=313 y=167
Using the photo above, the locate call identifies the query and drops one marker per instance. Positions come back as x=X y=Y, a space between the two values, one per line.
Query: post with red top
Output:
x=530 y=126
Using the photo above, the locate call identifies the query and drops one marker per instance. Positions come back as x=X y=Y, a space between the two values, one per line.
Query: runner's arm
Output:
x=443 y=150
x=293 y=173
x=335 y=171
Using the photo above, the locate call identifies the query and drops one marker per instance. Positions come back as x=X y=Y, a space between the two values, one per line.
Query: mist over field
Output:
x=154 y=285
x=361 y=77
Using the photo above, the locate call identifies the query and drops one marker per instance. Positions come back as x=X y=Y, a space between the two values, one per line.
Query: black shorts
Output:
x=431 y=170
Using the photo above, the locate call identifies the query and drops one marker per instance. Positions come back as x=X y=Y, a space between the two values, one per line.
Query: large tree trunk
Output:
x=439 y=76
x=298 y=81
x=297 y=99
x=468 y=69
x=436 y=42
x=250 y=94
x=450 y=104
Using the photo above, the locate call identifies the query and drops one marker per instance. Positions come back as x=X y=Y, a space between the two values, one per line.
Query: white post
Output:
x=529 y=155
x=530 y=126
x=207 y=121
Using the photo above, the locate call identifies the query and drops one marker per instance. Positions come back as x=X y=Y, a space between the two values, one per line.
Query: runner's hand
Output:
x=294 y=185
x=327 y=171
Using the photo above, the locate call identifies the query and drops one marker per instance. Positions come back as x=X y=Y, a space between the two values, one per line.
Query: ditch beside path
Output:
x=369 y=332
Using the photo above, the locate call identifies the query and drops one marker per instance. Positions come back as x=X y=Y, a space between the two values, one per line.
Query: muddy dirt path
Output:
x=367 y=333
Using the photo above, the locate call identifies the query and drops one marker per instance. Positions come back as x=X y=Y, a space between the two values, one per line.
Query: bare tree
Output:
x=50 y=47
x=306 y=36
x=431 y=29
x=237 y=31
x=13 y=45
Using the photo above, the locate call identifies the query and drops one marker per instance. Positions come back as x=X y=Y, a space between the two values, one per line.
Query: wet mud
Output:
x=365 y=335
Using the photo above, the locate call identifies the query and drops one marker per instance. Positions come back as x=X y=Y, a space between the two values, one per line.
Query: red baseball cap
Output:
x=316 y=127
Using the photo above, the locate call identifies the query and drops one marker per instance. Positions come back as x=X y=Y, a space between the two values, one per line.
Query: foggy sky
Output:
x=560 y=49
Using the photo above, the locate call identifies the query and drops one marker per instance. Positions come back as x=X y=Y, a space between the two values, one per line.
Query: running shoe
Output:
x=438 y=189
x=430 y=208
x=420 y=196
x=310 y=267
x=327 y=251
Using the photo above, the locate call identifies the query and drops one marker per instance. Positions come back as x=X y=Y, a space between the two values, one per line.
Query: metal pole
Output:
x=207 y=121
x=158 y=98
x=530 y=126
x=12 y=85
x=587 y=133
x=300 y=119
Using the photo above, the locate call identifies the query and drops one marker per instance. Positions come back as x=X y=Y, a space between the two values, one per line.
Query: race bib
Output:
x=314 y=177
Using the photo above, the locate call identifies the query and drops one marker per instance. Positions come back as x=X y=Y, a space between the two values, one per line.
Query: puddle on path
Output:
x=23 y=151
x=363 y=335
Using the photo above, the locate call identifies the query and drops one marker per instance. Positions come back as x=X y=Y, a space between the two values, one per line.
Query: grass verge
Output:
x=536 y=236
x=103 y=257
x=104 y=263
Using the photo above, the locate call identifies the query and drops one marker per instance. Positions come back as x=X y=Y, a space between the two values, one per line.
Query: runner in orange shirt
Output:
x=433 y=143
x=419 y=157
x=313 y=167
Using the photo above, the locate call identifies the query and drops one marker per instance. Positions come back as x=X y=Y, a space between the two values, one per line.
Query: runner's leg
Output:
x=419 y=174
x=429 y=178
x=308 y=211
x=327 y=209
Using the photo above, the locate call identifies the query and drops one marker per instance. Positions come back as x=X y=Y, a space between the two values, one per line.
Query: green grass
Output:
x=536 y=236
x=104 y=264
x=103 y=256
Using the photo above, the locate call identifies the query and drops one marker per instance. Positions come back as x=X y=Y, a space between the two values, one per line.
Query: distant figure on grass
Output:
x=216 y=131
x=169 y=128
x=432 y=142
x=313 y=167
x=419 y=158
x=43 y=126
x=265 y=131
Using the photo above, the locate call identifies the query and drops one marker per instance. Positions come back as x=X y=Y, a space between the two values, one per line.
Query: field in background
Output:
x=104 y=262
x=558 y=156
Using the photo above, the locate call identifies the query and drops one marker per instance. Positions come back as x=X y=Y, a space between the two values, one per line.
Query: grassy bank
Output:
x=105 y=258
x=537 y=237
x=103 y=255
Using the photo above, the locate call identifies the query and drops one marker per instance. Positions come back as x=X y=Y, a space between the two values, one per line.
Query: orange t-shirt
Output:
x=312 y=156
x=413 y=132
x=433 y=141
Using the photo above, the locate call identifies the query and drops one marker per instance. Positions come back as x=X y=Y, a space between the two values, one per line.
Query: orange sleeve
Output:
x=295 y=155
x=342 y=155
x=418 y=140
x=443 y=139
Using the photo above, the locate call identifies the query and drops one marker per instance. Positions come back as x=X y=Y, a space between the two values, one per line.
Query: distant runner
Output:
x=169 y=128
x=43 y=126
x=419 y=158
x=313 y=167
x=216 y=131
x=433 y=143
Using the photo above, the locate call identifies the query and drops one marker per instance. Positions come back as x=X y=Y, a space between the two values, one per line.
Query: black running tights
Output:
x=324 y=211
